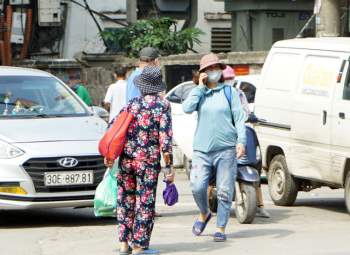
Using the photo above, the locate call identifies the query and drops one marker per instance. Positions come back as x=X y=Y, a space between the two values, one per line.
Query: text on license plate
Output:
x=68 y=178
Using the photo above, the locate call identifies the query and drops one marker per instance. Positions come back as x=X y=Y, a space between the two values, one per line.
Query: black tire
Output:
x=187 y=166
x=213 y=200
x=246 y=210
x=283 y=187
x=347 y=191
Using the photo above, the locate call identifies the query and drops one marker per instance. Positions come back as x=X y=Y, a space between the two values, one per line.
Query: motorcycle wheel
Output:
x=213 y=199
x=246 y=209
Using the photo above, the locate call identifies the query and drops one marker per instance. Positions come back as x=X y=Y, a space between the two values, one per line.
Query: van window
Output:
x=346 y=93
x=319 y=75
x=282 y=71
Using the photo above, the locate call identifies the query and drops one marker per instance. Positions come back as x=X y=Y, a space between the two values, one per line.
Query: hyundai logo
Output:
x=68 y=162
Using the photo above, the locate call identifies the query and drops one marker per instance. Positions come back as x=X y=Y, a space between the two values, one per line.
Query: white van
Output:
x=48 y=143
x=304 y=103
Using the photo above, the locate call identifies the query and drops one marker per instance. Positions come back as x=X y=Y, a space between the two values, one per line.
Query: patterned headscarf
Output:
x=150 y=81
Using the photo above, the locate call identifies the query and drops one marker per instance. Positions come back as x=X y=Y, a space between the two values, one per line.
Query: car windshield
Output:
x=181 y=93
x=36 y=96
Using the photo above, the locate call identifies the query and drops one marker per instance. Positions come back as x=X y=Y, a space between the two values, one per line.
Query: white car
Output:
x=48 y=143
x=184 y=125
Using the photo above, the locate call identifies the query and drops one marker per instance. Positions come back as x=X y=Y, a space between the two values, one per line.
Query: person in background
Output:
x=217 y=143
x=115 y=97
x=229 y=76
x=77 y=86
x=148 y=57
x=149 y=135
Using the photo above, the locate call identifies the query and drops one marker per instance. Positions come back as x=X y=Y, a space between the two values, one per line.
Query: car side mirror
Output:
x=100 y=112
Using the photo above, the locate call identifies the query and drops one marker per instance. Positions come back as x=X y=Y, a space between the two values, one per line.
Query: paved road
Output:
x=317 y=224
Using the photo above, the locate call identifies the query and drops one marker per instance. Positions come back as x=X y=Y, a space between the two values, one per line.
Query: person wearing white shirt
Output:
x=115 y=97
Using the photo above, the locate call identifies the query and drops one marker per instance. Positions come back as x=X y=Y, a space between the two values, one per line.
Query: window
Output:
x=181 y=93
x=249 y=91
x=346 y=93
x=220 y=39
x=277 y=34
x=282 y=72
x=319 y=75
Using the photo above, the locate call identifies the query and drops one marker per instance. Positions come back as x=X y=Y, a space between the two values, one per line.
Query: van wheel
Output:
x=347 y=191
x=282 y=186
x=187 y=166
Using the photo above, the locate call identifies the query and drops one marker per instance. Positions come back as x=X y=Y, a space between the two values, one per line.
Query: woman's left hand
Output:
x=170 y=177
x=240 y=150
x=109 y=162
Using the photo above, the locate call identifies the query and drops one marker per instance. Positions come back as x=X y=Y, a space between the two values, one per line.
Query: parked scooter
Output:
x=248 y=179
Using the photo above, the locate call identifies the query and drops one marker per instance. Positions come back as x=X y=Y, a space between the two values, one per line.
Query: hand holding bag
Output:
x=112 y=143
x=105 y=202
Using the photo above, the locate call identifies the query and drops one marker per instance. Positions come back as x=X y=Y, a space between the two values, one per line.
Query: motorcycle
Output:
x=248 y=179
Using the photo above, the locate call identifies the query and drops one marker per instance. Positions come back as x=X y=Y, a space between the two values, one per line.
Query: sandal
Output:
x=199 y=226
x=147 y=252
x=129 y=251
x=219 y=237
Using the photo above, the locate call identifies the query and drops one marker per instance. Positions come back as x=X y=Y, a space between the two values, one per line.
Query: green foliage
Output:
x=158 y=33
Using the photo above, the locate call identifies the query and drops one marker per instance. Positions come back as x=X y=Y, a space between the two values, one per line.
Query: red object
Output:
x=27 y=34
x=241 y=69
x=112 y=143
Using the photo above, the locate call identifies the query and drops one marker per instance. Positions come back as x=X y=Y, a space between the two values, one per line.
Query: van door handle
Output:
x=324 y=117
x=342 y=115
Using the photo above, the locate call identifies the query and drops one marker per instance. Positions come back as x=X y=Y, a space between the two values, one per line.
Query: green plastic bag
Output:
x=105 y=202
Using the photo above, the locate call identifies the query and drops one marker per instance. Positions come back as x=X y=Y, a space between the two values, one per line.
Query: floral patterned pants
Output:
x=137 y=186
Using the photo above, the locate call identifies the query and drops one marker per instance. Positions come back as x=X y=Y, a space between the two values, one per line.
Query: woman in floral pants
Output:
x=149 y=134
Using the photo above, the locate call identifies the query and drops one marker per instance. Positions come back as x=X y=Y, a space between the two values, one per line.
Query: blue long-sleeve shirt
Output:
x=215 y=130
x=131 y=90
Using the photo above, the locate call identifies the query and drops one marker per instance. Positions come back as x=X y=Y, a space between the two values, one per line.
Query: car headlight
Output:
x=8 y=151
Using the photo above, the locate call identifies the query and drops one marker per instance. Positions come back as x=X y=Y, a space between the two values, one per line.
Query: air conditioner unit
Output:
x=18 y=27
x=19 y=2
x=49 y=13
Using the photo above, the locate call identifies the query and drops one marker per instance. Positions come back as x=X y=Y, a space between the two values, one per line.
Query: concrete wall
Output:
x=209 y=6
x=81 y=31
x=96 y=69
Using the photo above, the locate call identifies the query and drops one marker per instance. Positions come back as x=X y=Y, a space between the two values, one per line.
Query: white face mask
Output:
x=214 y=76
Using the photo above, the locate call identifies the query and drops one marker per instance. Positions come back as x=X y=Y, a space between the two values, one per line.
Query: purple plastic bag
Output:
x=170 y=194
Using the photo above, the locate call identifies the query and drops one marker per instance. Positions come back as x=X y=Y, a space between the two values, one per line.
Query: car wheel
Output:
x=282 y=185
x=187 y=166
x=347 y=191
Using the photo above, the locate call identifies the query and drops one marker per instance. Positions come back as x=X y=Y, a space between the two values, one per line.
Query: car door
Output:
x=311 y=122
x=184 y=125
x=340 y=150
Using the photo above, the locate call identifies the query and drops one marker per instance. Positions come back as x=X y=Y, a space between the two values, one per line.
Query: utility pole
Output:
x=131 y=11
x=327 y=18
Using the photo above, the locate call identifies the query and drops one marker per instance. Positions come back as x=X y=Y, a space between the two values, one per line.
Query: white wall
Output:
x=205 y=25
x=81 y=31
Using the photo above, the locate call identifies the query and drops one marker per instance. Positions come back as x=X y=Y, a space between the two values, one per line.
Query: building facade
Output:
x=256 y=25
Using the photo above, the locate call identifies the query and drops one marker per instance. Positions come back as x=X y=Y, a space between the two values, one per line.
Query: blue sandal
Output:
x=199 y=226
x=219 y=237
x=147 y=252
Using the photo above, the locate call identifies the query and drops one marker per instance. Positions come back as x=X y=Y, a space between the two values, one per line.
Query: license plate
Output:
x=68 y=178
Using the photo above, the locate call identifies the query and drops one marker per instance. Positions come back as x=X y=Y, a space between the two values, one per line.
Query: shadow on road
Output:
x=331 y=204
x=195 y=247
x=277 y=215
x=275 y=233
x=67 y=217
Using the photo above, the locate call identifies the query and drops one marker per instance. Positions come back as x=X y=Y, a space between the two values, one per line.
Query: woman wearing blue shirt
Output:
x=219 y=140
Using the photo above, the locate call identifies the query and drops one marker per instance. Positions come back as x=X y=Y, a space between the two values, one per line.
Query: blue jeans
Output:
x=225 y=163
